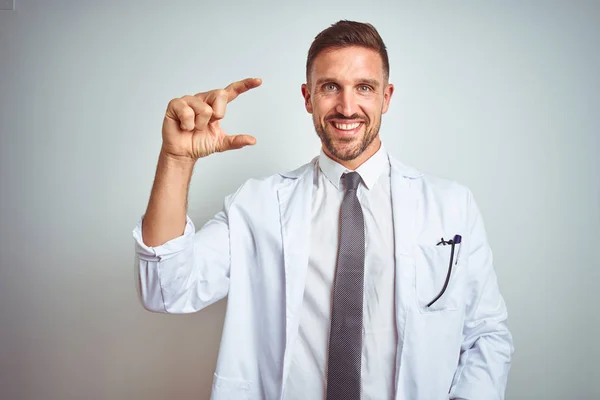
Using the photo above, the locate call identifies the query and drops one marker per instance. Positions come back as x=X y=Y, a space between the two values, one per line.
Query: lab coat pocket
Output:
x=230 y=389
x=432 y=269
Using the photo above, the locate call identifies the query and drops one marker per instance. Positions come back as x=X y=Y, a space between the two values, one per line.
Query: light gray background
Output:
x=501 y=96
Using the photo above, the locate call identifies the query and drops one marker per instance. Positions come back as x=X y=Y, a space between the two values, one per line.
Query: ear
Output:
x=306 y=95
x=387 y=97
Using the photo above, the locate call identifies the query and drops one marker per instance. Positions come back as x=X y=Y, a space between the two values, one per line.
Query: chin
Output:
x=345 y=151
x=342 y=147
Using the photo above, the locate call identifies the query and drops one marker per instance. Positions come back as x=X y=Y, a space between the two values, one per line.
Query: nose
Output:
x=346 y=104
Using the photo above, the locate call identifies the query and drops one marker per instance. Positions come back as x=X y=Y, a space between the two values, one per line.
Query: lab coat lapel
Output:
x=295 y=212
x=405 y=201
x=405 y=204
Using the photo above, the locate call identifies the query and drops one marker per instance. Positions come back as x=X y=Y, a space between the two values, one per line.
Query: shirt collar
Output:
x=369 y=171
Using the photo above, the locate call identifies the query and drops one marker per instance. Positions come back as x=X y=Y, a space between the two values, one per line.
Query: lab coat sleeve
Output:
x=487 y=345
x=187 y=273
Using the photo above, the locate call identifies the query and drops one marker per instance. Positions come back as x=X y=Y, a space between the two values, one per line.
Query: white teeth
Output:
x=346 y=127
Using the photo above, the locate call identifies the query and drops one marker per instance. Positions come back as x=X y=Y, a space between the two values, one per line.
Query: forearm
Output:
x=483 y=368
x=487 y=346
x=165 y=216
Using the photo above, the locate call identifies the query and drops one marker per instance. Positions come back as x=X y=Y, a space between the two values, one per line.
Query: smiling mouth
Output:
x=346 y=128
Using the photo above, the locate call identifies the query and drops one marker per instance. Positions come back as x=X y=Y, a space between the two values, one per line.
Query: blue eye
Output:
x=364 y=88
x=329 y=86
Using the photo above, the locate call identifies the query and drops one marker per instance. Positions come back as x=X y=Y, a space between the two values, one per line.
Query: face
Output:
x=346 y=94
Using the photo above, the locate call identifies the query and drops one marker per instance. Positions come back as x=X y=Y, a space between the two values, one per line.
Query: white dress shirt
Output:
x=308 y=373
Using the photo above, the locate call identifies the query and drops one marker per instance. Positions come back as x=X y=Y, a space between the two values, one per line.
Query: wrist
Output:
x=175 y=161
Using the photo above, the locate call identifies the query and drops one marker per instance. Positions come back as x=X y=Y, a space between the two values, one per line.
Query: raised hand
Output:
x=191 y=127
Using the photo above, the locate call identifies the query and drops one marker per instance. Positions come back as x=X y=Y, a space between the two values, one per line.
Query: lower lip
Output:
x=343 y=132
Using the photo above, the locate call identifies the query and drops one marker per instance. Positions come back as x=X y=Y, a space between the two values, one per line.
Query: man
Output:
x=352 y=277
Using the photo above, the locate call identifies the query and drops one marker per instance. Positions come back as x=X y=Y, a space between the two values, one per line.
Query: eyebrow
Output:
x=372 y=82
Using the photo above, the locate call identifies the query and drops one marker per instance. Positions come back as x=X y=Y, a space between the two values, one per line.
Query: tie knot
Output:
x=351 y=180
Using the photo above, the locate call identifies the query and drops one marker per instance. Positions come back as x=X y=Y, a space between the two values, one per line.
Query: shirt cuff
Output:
x=165 y=250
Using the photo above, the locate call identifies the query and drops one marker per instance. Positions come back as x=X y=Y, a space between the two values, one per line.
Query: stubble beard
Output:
x=350 y=148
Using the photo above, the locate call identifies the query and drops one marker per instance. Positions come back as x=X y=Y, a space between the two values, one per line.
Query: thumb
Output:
x=234 y=142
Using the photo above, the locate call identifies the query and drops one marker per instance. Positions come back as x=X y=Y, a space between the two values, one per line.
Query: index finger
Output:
x=239 y=87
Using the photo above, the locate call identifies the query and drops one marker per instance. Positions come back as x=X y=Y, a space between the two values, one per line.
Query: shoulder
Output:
x=274 y=181
x=430 y=186
x=263 y=188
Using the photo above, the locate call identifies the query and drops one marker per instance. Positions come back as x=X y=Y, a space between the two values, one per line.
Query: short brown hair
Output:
x=346 y=33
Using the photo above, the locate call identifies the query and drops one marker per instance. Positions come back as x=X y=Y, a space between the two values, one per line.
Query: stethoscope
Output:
x=456 y=240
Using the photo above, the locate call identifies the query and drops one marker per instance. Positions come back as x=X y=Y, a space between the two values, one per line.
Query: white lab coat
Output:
x=255 y=251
